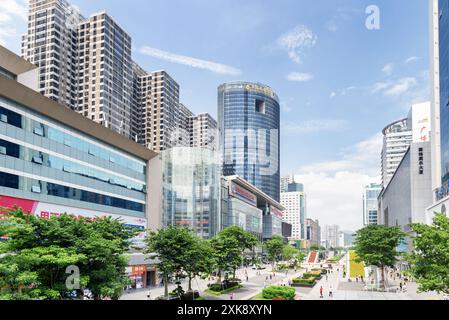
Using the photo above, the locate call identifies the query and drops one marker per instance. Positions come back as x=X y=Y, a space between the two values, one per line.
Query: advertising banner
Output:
x=242 y=194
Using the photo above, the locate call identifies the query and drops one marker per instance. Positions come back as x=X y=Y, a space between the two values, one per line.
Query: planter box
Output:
x=300 y=285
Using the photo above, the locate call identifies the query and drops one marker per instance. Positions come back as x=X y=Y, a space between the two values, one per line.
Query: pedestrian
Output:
x=246 y=278
x=405 y=287
x=231 y=296
x=266 y=278
x=356 y=278
x=271 y=277
x=330 y=291
x=321 y=292
x=361 y=277
x=149 y=295
x=400 y=286
x=326 y=277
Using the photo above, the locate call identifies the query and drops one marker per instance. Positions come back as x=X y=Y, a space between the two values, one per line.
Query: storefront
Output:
x=142 y=271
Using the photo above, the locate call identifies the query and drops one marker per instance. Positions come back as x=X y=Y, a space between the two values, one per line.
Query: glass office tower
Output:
x=248 y=120
x=444 y=88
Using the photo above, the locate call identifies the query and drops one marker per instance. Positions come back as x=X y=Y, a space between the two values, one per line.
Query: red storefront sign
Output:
x=138 y=270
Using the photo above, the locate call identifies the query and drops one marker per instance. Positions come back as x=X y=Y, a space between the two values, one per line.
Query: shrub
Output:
x=308 y=281
x=313 y=274
x=272 y=292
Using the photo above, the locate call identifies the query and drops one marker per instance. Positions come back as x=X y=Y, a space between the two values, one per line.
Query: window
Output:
x=260 y=106
x=39 y=131
x=36 y=188
x=37 y=159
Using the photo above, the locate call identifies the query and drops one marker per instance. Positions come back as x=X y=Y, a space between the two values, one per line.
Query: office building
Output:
x=397 y=137
x=370 y=204
x=285 y=181
x=294 y=200
x=439 y=51
x=313 y=232
x=346 y=239
x=405 y=199
x=51 y=43
x=329 y=236
x=203 y=131
x=244 y=205
x=55 y=161
x=190 y=189
x=182 y=136
x=434 y=45
x=248 y=123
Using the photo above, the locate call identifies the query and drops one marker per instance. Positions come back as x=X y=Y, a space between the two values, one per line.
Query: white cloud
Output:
x=342 y=92
x=334 y=188
x=12 y=12
x=189 y=61
x=388 y=69
x=394 y=88
x=311 y=126
x=296 y=40
x=401 y=86
x=411 y=59
x=301 y=77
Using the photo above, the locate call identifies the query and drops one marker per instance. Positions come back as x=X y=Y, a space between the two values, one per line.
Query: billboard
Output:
x=47 y=210
x=241 y=193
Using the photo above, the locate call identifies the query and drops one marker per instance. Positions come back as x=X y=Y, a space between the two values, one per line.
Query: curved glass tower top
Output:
x=248 y=121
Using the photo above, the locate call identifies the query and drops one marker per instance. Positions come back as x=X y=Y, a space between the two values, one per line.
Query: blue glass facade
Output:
x=45 y=161
x=444 y=87
x=248 y=120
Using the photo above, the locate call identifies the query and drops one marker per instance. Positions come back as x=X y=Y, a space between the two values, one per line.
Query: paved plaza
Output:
x=342 y=289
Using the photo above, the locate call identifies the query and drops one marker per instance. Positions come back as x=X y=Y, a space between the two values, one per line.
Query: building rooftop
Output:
x=257 y=192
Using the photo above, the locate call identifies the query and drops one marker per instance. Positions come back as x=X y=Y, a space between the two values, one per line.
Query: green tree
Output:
x=199 y=258
x=229 y=246
x=37 y=252
x=289 y=252
x=376 y=245
x=315 y=247
x=173 y=246
x=274 y=248
x=430 y=259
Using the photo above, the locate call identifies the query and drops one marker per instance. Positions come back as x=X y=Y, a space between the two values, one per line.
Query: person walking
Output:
x=231 y=295
x=330 y=291
x=400 y=286
x=326 y=277
x=321 y=292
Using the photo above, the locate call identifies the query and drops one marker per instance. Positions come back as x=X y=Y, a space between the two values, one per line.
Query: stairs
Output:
x=313 y=257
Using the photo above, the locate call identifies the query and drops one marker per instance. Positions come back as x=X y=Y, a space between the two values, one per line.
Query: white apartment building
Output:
x=295 y=212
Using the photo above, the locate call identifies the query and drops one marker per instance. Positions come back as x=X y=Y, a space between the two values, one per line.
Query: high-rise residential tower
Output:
x=203 y=131
x=370 y=204
x=105 y=73
x=397 y=139
x=248 y=122
x=51 y=43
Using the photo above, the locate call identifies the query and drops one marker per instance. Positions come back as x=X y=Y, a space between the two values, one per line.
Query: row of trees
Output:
x=376 y=245
x=180 y=251
x=35 y=254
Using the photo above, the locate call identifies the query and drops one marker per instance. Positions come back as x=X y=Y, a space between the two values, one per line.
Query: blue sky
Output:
x=354 y=81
